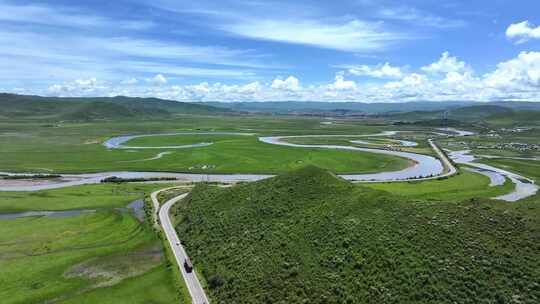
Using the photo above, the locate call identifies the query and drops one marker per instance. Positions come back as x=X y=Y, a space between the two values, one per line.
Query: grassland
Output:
x=103 y=257
x=99 y=196
x=528 y=168
x=13 y=107
x=463 y=186
x=308 y=237
x=375 y=143
x=76 y=147
x=303 y=237
x=177 y=140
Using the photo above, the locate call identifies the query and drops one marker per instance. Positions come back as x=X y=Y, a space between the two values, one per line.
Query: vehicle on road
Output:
x=188 y=266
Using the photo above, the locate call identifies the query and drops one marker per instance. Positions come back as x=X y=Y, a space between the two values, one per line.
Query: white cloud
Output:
x=178 y=70
x=518 y=74
x=341 y=84
x=290 y=84
x=352 y=36
x=33 y=53
x=80 y=87
x=174 y=50
x=419 y=18
x=445 y=64
x=159 y=79
x=412 y=80
x=523 y=31
x=514 y=79
x=129 y=81
x=379 y=71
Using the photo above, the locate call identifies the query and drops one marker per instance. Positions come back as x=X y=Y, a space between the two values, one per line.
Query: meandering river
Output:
x=424 y=166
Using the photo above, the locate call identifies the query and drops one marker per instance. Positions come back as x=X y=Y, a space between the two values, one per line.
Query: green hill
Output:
x=96 y=110
x=165 y=105
x=36 y=107
x=469 y=113
x=476 y=112
x=522 y=118
x=310 y=237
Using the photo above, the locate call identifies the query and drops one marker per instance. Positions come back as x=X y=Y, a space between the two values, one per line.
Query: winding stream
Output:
x=425 y=166
x=118 y=142
x=525 y=187
x=51 y=214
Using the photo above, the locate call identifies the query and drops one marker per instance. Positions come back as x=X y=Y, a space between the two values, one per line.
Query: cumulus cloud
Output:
x=159 y=79
x=445 y=64
x=523 y=31
x=515 y=79
x=80 y=87
x=413 y=80
x=340 y=84
x=379 y=71
x=521 y=73
x=290 y=84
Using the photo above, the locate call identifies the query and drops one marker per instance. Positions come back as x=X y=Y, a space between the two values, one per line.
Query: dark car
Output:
x=187 y=266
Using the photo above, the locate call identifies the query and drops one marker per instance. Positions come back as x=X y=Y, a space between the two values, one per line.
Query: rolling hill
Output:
x=103 y=108
x=290 y=107
x=522 y=118
x=310 y=237
x=490 y=114
x=468 y=113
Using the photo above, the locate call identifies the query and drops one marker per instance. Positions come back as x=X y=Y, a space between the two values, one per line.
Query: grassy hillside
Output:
x=309 y=237
x=85 y=109
x=165 y=105
x=468 y=113
x=524 y=118
x=479 y=111
x=315 y=106
x=503 y=114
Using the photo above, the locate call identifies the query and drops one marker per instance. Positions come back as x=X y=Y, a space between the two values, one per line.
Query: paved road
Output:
x=196 y=291
x=156 y=205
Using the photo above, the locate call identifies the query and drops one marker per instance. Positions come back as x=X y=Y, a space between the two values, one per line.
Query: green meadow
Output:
x=463 y=186
x=97 y=196
x=305 y=236
x=106 y=256
x=80 y=259
x=77 y=147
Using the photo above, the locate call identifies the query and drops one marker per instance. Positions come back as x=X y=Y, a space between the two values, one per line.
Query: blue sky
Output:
x=351 y=50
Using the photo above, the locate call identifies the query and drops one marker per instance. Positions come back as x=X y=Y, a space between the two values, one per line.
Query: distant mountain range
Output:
x=14 y=106
x=103 y=108
x=288 y=107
